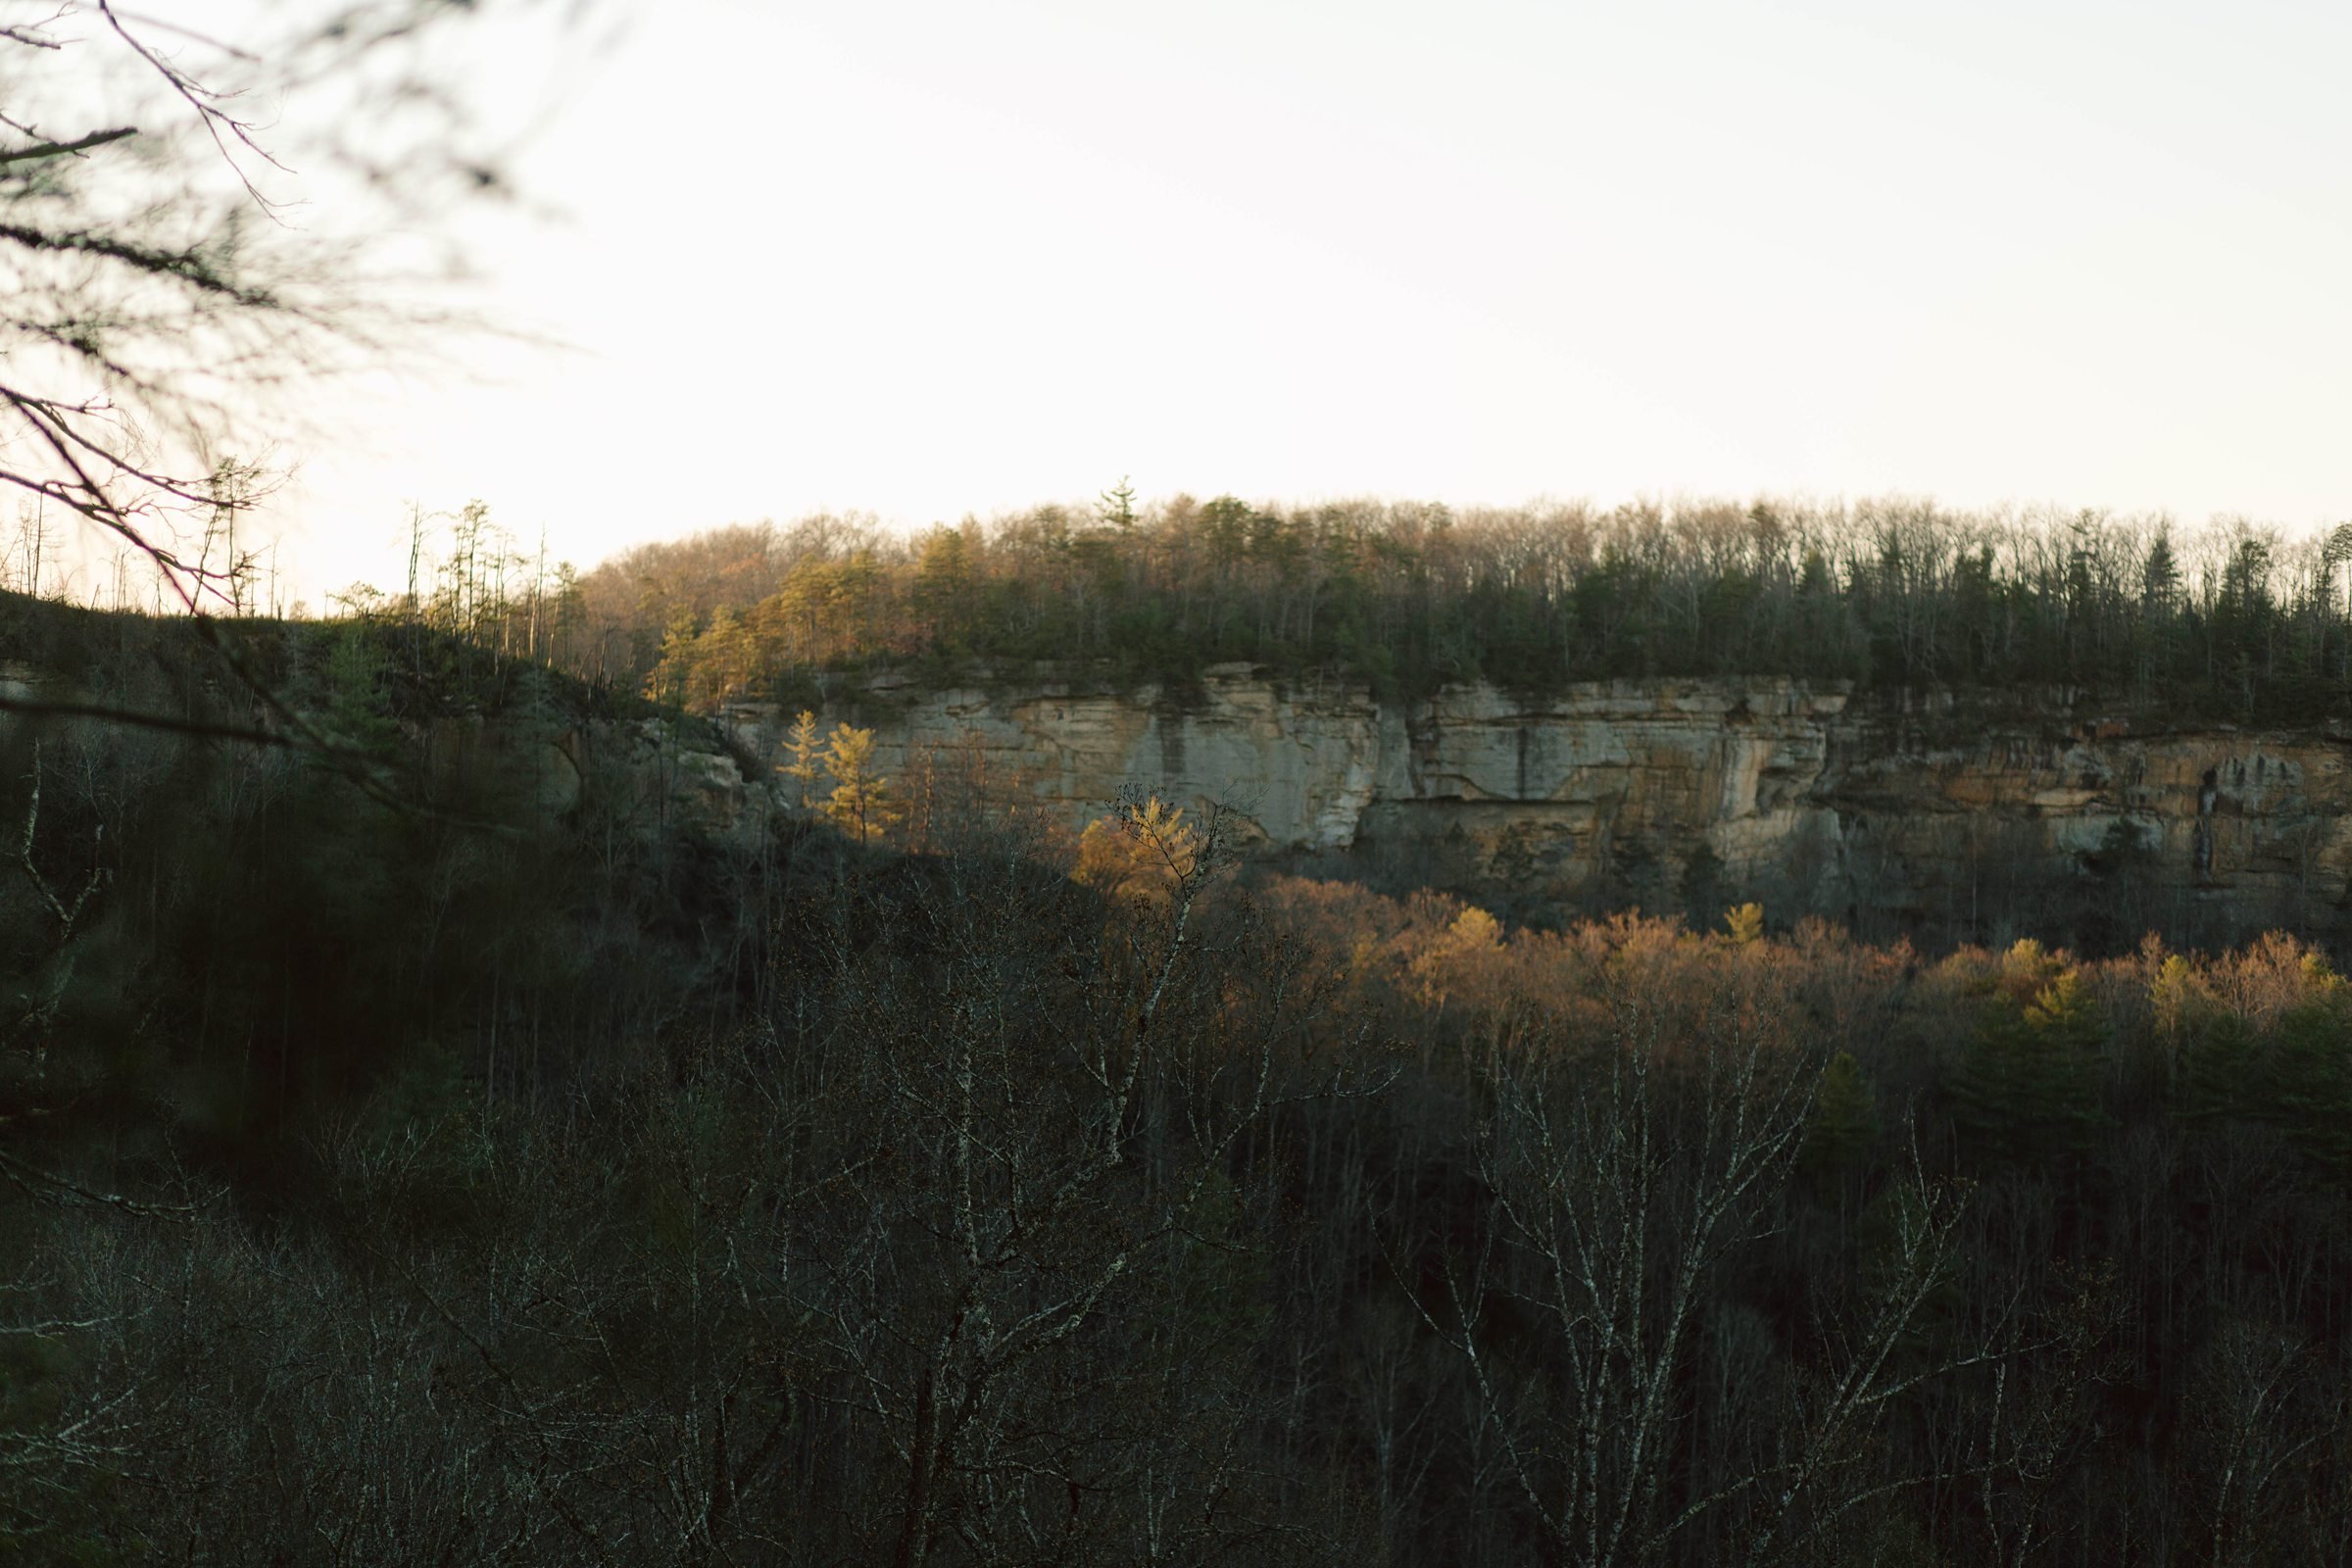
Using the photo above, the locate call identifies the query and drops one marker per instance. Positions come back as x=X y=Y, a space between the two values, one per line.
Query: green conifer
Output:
x=1844 y=1122
x=2028 y=1088
x=2309 y=1084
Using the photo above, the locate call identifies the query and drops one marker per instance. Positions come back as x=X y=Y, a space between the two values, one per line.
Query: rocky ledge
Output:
x=1911 y=808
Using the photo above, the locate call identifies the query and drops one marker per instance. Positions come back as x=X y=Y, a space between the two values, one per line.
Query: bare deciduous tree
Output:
x=195 y=230
x=1625 y=1168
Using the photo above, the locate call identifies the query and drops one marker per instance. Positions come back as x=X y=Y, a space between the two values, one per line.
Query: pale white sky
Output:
x=930 y=258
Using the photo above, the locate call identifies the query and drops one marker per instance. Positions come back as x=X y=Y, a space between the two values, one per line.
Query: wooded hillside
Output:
x=2228 y=620
x=390 y=1183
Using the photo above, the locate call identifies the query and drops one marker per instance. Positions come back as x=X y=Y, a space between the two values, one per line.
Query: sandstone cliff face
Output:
x=1941 y=801
x=1667 y=793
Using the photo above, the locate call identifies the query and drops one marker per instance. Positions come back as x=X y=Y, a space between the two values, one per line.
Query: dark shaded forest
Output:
x=399 y=1172
x=2233 y=621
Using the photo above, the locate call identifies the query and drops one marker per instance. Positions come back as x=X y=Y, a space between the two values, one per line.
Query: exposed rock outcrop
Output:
x=1931 y=809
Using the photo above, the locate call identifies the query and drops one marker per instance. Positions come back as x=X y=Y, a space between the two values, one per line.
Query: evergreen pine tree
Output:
x=1844 y=1121
x=2309 y=1084
x=2027 y=1086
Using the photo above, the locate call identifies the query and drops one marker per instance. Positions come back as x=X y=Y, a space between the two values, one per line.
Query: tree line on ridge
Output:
x=2233 y=621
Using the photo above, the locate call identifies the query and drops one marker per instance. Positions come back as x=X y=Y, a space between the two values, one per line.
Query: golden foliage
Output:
x=1142 y=854
x=803 y=743
x=1446 y=962
x=860 y=805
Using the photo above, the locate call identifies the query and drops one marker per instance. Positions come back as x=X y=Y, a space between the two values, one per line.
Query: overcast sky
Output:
x=930 y=258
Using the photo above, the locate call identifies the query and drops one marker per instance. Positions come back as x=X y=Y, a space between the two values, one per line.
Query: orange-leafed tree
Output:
x=1142 y=853
x=860 y=805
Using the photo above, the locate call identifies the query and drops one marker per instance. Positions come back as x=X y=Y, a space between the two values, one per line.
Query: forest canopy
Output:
x=2232 y=619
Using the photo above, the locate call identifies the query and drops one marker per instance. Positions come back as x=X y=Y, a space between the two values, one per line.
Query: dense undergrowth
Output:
x=387 y=1183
